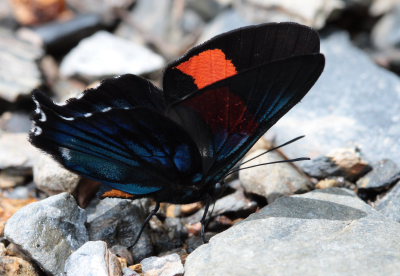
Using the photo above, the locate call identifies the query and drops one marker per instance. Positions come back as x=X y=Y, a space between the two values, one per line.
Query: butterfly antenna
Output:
x=152 y=213
x=268 y=163
x=275 y=148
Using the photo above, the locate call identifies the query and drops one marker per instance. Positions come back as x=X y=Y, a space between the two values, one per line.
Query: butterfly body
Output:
x=177 y=144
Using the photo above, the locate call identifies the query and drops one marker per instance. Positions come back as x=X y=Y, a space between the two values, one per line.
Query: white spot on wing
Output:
x=87 y=114
x=66 y=153
x=106 y=109
x=38 y=110
x=36 y=131
x=67 y=118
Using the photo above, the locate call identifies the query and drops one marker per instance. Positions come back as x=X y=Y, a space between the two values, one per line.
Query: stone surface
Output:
x=272 y=181
x=10 y=180
x=93 y=258
x=380 y=176
x=15 y=122
x=169 y=265
x=345 y=162
x=323 y=232
x=117 y=222
x=21 y=58
x=313 y=14
x=386 y=32
x=17 y=153
x=225 y=21
x=49 y=230
x=334 y=182
x=113 y=56
x=52 y=178
x=342 y=109
x=14 y=266
x=389 y=205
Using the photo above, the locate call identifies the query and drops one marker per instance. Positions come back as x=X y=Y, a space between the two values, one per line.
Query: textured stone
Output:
x=49 y=230
x=345 y=162
x=50 y=177
x=17 y=153
x=117 y=222
x=14 y=266
x=271 y=181
x=323 y=232
x=354 y=103
x=389 y=205
x=380 y=176
x=169 y=265
x=21 y=58
x=93 y=258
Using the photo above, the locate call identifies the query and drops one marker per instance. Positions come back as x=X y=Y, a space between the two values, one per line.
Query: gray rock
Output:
x=21 y=58
x=129 y=272
x=381 y=175
x=348 y=163
x=323 y=232
x=169 y=265
x=52 y=178
x=113 y=56
x=16 y=153
x=389 y=205
x=15 y=122
x=272 y=181
x=117 y=222
x=93 y=259
x=225 y=21
x=312 y=13
x=354 y=103
x=386 y=32
x=49 y=231
x=380 y=7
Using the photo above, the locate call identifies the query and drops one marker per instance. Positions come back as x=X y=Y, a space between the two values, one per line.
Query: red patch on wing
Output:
x=222 y=110
x=117 y=193
x=208 y=67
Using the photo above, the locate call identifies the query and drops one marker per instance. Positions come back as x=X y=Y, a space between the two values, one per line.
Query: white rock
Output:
x=104 y=54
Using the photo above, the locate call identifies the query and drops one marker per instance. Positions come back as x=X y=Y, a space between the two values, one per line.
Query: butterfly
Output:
x=176 y=145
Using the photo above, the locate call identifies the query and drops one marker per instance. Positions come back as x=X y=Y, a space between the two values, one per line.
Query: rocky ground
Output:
x=338 y=214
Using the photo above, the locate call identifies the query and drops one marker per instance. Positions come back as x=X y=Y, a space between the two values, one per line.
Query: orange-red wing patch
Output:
x=208 y=67
x=117 y=193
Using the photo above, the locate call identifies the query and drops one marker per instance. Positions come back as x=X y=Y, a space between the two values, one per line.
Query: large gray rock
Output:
x=271 y=181
x=49 y=231
x=354 y=103
x=113 y=56
x=323 y=232
x=93 y=259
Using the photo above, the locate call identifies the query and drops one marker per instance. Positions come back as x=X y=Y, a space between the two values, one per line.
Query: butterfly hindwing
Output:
x=135 y=150
x=234 y=113
x=122 y=92
x=234 y=52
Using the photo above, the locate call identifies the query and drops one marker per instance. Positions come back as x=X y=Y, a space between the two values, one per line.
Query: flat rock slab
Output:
x=354 y=103
x=323 y=232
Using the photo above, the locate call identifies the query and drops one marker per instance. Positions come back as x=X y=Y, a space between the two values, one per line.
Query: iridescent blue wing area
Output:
x=235 y=52
x=122 y=92
x=137 y=151
x=226 y=118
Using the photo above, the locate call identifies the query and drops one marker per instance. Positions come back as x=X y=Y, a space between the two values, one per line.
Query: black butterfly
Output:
x=176 y=145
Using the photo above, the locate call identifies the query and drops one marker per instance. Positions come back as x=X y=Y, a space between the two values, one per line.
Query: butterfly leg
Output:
x=152 y=213
x=204 y=220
